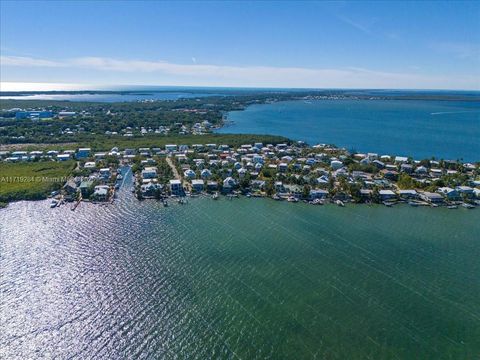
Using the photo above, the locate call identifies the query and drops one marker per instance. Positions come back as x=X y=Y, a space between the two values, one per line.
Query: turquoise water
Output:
x=422 y=129
x=247 y=278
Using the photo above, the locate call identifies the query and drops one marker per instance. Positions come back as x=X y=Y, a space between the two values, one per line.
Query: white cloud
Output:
x=27 y=62
x=166 y=73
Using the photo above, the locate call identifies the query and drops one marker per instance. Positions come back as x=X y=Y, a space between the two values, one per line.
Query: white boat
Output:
x=452 y=207
x=292 y=199
x=339 y=203
x=215 y=196
x=468 y=206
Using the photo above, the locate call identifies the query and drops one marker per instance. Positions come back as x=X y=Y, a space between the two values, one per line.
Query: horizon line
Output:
x=77 y=87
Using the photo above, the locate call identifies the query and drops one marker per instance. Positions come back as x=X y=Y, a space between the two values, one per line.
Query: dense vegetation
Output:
x=32 y=180
x=103 y=142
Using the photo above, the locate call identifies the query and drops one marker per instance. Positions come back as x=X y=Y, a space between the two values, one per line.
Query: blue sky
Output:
x=425 y=45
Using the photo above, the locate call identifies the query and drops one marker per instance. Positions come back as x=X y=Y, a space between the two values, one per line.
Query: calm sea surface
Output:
x=247 y=278
x=422 y=129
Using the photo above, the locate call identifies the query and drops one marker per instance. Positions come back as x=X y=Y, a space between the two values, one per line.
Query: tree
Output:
x=306 y=191
x=405 y=181
x=269 y=187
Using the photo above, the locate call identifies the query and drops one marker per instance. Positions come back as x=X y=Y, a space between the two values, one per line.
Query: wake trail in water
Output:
x=453 y=112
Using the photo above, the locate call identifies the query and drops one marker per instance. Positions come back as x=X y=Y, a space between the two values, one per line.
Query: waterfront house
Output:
x=366 y=194
x=387 y=195
x=101 y=192
x=70 y=187
x=229 y=184
x=197 y=185
x=212 y=186
x=408 y=194
x=150 y=189
x=317 y=194
x=176 y=187
x=430 y=197
x=258 y=184
x=465 y=190
x=86 y=188
x=449 y=193
x=279 y=188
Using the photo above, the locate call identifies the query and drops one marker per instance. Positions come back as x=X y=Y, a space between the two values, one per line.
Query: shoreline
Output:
x=294 y=172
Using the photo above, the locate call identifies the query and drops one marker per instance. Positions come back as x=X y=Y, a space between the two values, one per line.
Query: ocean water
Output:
x=246 y=278
x=421 y=129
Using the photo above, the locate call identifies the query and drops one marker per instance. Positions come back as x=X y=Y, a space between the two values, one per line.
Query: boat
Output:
x=413 y=203
x=388 y=204
x=317 y=202
x=339 y=203
x=215 y=196
x=452 y=207
x=54 y=203
x=165 y=203
x=276 y=197
x=468 y=206
x=292 y=199
x=119 y=177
